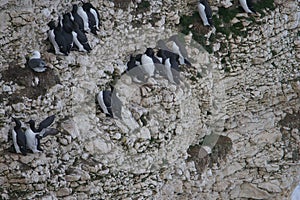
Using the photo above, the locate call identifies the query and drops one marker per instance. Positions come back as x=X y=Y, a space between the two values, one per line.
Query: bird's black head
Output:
x=18 y=123
x=149 y=52
x=67 y=16
x=87 y=6
x=75 y=7
x=31 y=122
x=51 y=24
x=161 y=53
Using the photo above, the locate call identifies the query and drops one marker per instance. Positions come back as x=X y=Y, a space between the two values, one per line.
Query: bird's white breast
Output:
x=14 y=136
x=201 y=10
x=168 y=70
x=31 y=140
x=101 y=102
x=51 y=36
x=148 y=65
x=84 y=17
x=96 y=16
x=245 y=6
x=76 y=41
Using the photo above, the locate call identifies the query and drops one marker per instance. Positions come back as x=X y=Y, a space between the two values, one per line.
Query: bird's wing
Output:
x=36 y=62
x=46 y=122
x=81 y=36
x=21 y=138
x=116 y=105
x=107 y=98
x=48 y=131
x=208 y=10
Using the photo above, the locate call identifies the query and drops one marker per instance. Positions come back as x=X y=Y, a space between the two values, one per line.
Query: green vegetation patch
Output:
x=224 y=27
x=264 y=4
x=144 y=5
x=227 y=14
x=223 y=22
x=194 y=24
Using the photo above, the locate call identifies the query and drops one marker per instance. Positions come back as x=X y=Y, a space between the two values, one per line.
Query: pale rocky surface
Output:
x=220 y=134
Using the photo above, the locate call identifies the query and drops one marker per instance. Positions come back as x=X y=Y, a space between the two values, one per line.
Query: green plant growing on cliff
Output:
x=227 y=14
x=192 y=23
x=223 y=22
x=261 y=5
x=144 y=5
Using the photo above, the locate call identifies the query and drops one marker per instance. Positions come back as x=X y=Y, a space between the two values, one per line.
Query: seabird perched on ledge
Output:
x=36 y=63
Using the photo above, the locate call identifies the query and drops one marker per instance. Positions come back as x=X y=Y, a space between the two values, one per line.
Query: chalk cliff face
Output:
x=230 y=130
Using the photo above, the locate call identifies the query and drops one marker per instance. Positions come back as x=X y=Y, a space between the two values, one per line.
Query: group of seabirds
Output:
x=30 y=139
x=71 y=30
x=159 y=62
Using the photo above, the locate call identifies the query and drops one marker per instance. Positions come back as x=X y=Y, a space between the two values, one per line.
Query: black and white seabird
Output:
x=79 y=37
x=205 y=13
x=247 y=6
x=84 y=17
x=77 y=18
x=171 y=69
x=161 y=53
x=164 y=50
x=33 y=134
x=109 y=103
x=93 y=17
x=36 y=63
x=66 y=31
x=150 y=52
x=19 y=138
x=56 y=39
x=134 y=69
x=179 y=48
x=61 y=41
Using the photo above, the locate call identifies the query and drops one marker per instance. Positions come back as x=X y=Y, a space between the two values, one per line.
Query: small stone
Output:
x=226 y=3
x=3 y=167
x=235 y=20
x=27 y=159
x=98 y=146
x=66 y=157
x=71 y=128
x=85 y=177
x=144 y=133
x=72 y=178
x=271 y=187
x=216 y=46
x=117 y=136
x=19 y=107
x=6 y=88
x=231 y=169
x=64 y=192
x=63 y=141
x=249 y=190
